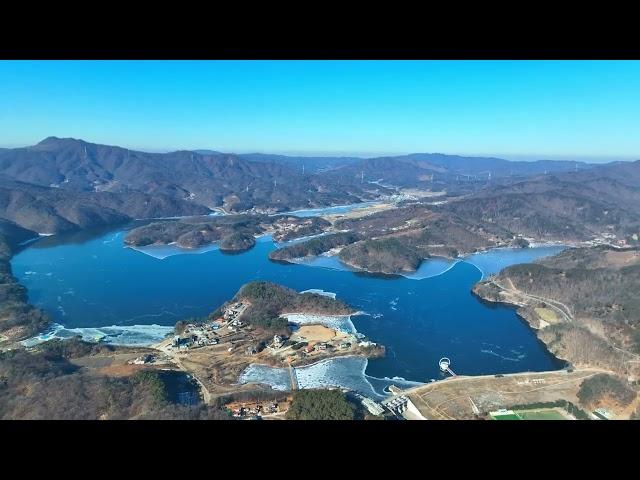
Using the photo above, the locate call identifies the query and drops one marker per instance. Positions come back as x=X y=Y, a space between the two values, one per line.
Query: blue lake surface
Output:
x=91 y=284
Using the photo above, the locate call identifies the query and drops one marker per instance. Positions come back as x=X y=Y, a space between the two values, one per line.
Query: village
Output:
x=218 y=350
x=267 y=409
x=306 y=342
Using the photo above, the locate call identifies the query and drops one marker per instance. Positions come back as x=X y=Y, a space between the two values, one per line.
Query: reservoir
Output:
x=94 y=286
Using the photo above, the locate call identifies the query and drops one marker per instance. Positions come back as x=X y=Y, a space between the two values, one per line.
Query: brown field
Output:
x=454 y=398
x=120 y=370
x=622 y=259
x=547 y=315
x=316 y=333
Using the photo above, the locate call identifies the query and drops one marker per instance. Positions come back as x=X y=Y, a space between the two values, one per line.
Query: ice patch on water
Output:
x=342 y=372
x=394 y=303
x=493 y=260
x=337 y=322
x=293 y=241
x=487 y=262
x=276 y=378
x=332 y=262
x=132 y=335
x=319 y=291
x=431 y=267
x=164 y=251
x=112 y=239
x=27 y=242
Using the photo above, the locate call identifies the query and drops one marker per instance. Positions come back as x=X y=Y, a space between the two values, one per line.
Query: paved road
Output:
x=552 y=303
x=566 y=314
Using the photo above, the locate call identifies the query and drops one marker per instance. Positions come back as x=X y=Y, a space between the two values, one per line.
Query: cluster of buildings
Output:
x=255 y=410
x=196 y=336
x=398 y=405
x=300 y=347
x=610 y=239
x=231 y=313
x=143 y=360
x=278 y=341
x=202 y=335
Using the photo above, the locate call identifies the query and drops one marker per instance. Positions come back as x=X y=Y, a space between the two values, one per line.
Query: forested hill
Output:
x=269 y=300
x=54 y=210
x=584 y=302
x=450 y=172
x=208 y=179
x=572 y=205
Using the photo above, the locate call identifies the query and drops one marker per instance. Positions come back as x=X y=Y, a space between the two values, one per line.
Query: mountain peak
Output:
x=57 y=142
x=49 y=140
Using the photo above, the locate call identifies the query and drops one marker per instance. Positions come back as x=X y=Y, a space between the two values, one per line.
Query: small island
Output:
x=264 y=323
x=233 y=233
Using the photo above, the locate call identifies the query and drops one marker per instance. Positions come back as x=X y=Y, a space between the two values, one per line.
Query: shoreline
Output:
x=565 y=363
x=456 y=260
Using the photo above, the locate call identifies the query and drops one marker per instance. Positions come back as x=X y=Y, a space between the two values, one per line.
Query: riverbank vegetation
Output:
x=18 y=318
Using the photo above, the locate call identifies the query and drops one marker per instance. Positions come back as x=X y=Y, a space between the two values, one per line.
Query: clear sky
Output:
x=514 y=109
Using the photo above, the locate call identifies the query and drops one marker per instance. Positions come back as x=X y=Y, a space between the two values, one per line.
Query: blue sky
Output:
x=514 y=109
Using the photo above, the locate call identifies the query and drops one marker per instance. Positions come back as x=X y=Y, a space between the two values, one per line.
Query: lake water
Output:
x=338 y=209
x=94 y=286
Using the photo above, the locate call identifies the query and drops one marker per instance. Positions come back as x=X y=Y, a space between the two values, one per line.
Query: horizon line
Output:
x=531 y=157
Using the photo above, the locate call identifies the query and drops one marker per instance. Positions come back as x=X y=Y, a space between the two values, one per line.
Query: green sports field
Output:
x=537 y=414
x=508 y=416
x=543 y=414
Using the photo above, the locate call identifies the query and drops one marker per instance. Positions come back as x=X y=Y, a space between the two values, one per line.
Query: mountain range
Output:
x=64 y=183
